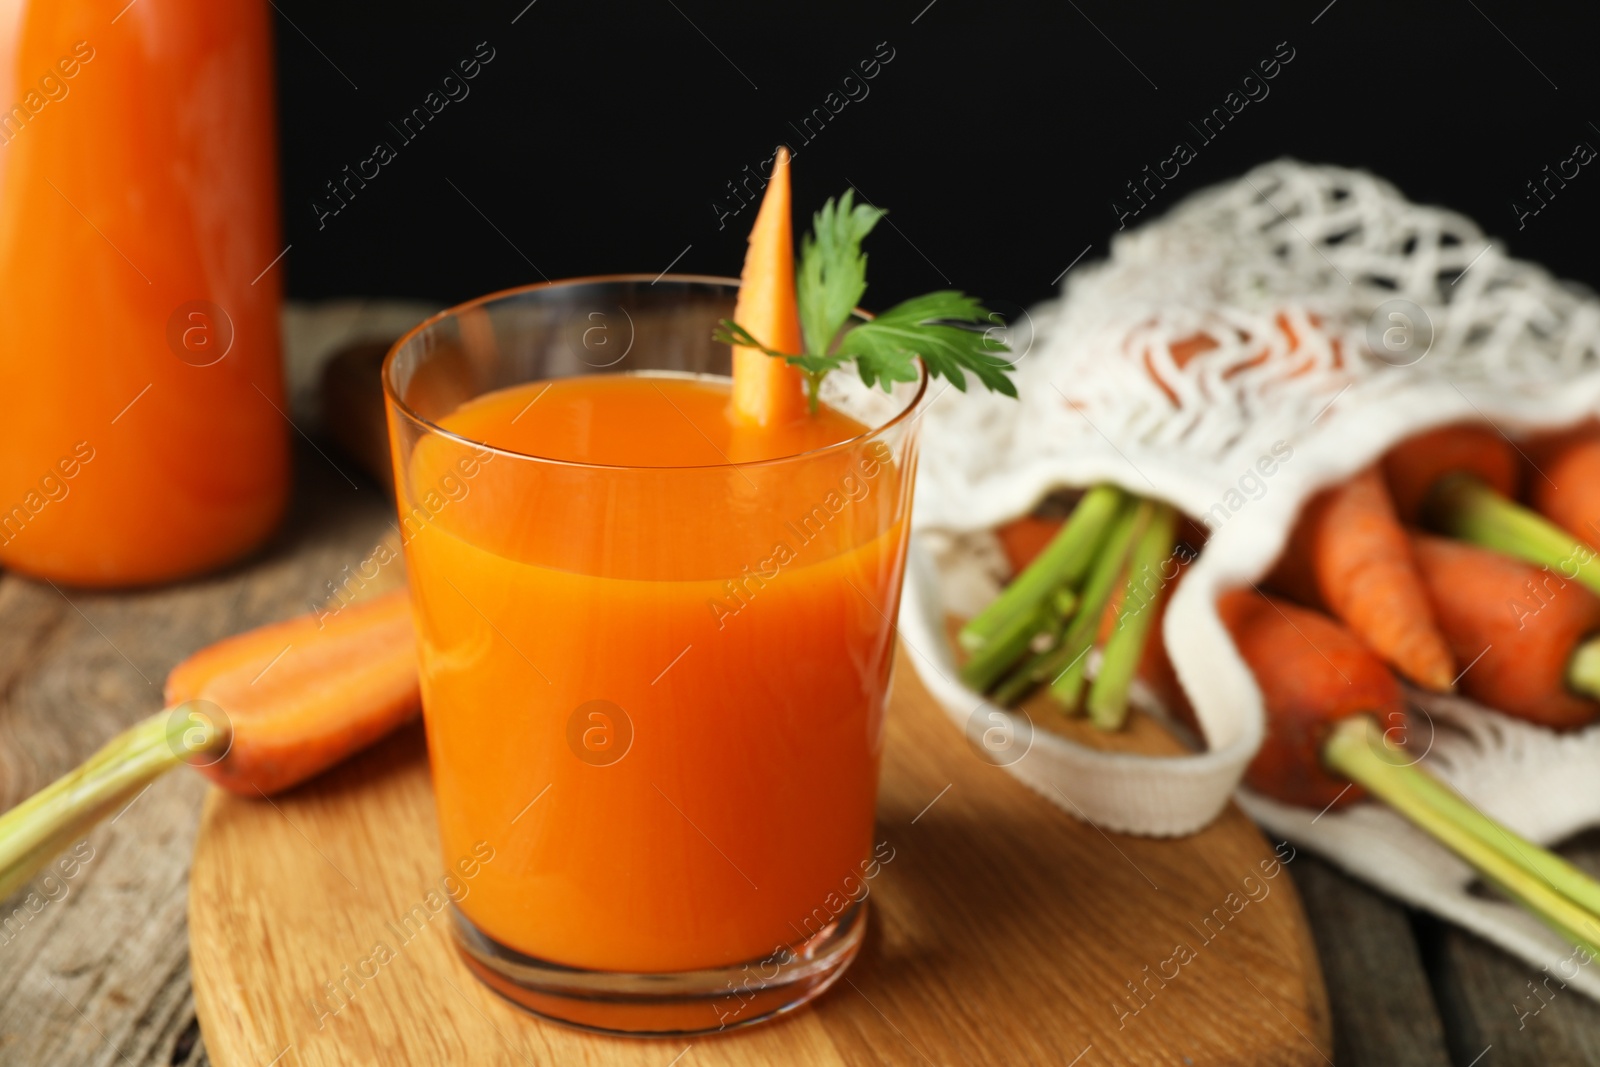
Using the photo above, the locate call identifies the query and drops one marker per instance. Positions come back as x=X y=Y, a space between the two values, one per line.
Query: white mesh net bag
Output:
x=1268 y=337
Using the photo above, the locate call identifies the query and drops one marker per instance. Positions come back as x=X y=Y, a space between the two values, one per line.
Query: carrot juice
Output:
x=655 y=651
x=144 y=437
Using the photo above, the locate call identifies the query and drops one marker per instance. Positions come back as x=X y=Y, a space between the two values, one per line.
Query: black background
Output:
x=601 y=134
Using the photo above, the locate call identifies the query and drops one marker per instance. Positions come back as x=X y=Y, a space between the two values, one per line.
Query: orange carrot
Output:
x=1459 y=482
x=256 y=713
x=767 y=391
x=1415 y=466
x=1295 y=573
x=1156 y=670
x=1335 y=718
x=301 y=695
x=1023 y=539
x=1312 y=673
x=1351 y=541
x=1565 y=484
x=1518 y=626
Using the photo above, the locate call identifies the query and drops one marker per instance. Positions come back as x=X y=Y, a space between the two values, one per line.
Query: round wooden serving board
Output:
x=1003 y=931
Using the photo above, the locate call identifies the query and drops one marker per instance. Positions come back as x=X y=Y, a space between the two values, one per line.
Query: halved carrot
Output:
x=1516 y=628
x=303 y=695
x=1416 y=465
x=256 y=713
x=1313 y=673
x=1350 y=540
x=767 y=391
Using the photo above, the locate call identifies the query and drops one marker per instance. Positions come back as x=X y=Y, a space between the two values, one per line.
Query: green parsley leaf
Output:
x=833 y=269
x=886 y=348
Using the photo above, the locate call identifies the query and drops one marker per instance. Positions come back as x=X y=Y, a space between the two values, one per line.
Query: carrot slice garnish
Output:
x=767 y=391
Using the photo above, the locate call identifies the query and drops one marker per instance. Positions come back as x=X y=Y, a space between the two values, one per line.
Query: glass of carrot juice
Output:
x=655 y=650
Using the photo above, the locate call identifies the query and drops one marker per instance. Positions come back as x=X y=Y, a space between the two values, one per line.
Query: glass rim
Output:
x=391 y=396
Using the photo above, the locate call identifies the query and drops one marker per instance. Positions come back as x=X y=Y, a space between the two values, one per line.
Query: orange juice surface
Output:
x=144 y=436
x=654 y=688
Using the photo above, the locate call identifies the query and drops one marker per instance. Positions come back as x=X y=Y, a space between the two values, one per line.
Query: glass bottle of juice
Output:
x=144 y=437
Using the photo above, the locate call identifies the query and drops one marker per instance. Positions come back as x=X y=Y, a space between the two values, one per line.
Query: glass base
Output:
x=661 y=1005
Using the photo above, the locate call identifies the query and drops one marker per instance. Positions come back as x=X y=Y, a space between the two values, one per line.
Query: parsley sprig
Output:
x=831 y=278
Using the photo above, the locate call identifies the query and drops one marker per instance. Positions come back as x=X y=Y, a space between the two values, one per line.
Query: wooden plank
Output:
x=100 y=975
x=1501 y=1008
x=1383 y=1009
x=1003 y=931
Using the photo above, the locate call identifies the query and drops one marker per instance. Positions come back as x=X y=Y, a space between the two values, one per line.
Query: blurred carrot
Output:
x=1522 y=629
x=1336 y=721
x=1313 y=673
x=1565 y=487
x=1295 y=573
x=1415 y=466
x=1023 y=539
x=1350 y=544
x=1457 y=481
x=768 y=391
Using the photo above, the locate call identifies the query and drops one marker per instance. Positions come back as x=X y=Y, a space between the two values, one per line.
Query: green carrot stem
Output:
x=1465 y=507
x=1008 y=645
x=1583 y=668
x=1066 y=686
x=1536 y=860
x=1063 y=562
x=16 y=874
x=1108 y=698
x=1021 y=681
x=1024 y=677
x=124 y=765
x=1358 y=750
x=1068 y=662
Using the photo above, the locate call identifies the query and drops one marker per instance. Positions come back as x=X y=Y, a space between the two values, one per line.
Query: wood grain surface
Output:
x=1003 y=932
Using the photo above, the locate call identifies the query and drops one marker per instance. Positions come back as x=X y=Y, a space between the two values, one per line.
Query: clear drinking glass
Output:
x=654 y=695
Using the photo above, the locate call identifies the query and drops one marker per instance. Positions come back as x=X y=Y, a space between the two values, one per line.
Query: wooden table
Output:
x=100 y=974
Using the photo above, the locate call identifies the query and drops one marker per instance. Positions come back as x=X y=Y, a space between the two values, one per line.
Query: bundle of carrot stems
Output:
x=1105 y=564
x=1099 y=580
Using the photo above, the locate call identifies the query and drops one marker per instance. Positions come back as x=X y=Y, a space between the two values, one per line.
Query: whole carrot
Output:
x=1315 y=678
x=1458 y=480
x=1336 y=721
x=1565 y=484
x=1359 y=557
x=1313 y=673
x=1416 y=465
x=1522 y=629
